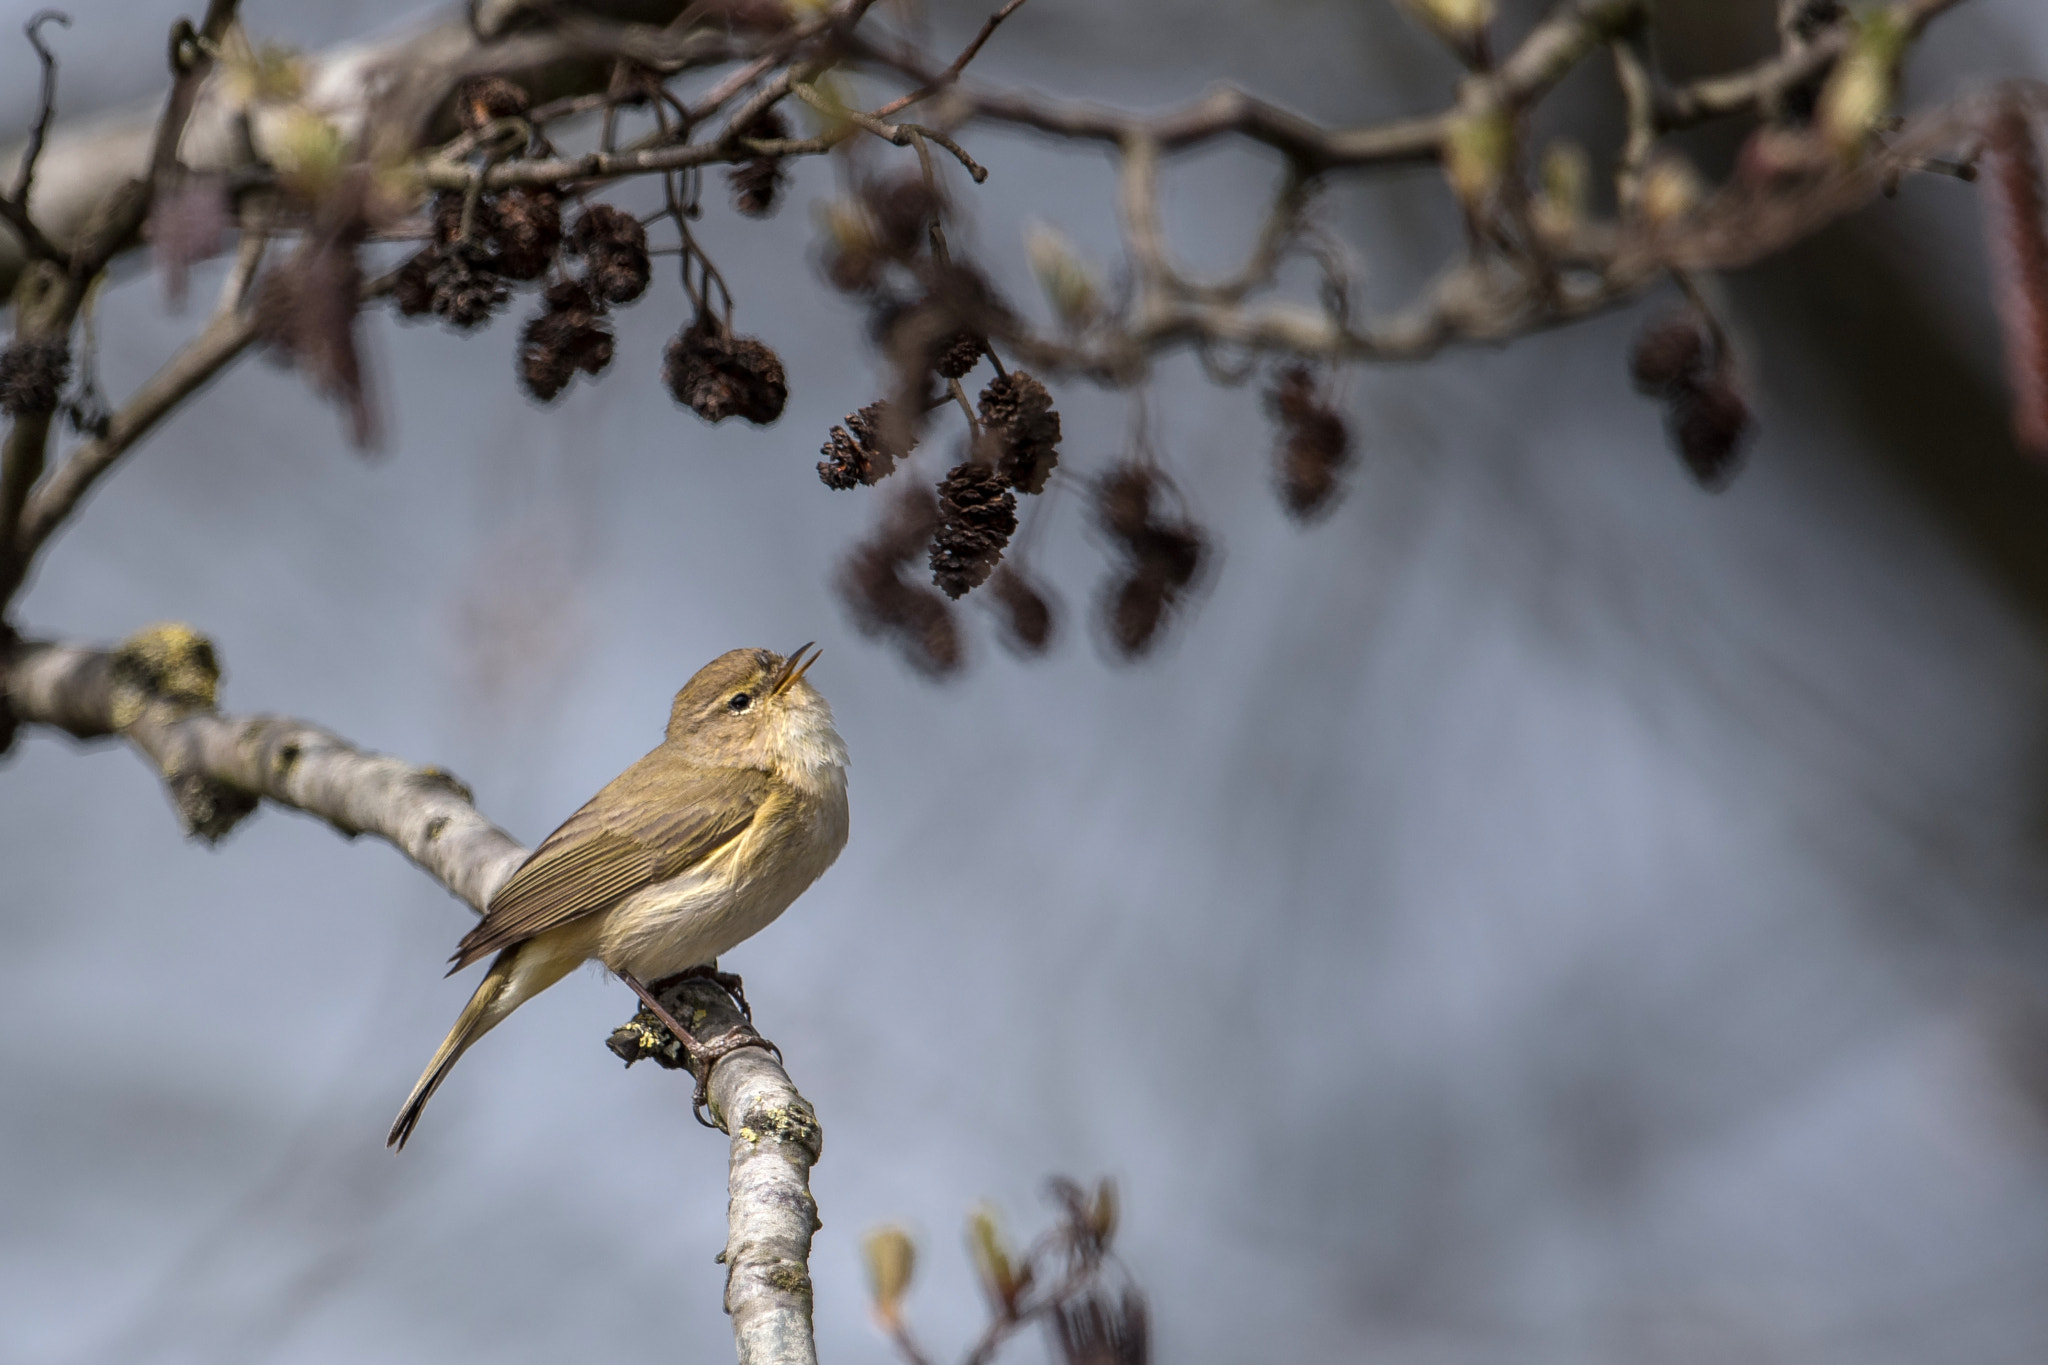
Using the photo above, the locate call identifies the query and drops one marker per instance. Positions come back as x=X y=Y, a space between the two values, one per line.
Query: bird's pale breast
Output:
x=736 y=892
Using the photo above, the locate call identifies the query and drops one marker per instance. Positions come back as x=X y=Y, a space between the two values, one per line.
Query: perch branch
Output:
x=775 y=1142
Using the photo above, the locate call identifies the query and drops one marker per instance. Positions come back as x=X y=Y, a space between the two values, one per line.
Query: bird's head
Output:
x=753 y=708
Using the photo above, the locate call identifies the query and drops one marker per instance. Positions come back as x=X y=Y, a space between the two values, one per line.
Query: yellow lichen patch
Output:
x=446 y=781
x=790 y=1123
x=790 y=1278
x=168 y=661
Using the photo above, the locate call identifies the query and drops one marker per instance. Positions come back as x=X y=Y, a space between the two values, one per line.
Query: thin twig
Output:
x=46 y=101
x=952 y=73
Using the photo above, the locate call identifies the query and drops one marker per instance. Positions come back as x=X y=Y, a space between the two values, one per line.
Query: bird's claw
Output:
x=705 y=1056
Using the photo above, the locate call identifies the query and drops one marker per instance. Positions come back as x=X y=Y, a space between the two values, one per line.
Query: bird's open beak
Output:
x=793 y=668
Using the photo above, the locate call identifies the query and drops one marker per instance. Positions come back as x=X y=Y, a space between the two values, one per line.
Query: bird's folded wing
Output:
x=655 y=821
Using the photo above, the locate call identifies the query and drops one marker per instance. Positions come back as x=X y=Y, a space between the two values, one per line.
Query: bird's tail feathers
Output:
x=478 y=1017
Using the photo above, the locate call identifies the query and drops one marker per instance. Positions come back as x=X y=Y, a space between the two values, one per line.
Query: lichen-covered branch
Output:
x=159 y=691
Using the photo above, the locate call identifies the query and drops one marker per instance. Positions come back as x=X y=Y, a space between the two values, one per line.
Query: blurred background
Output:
x=1542 y=913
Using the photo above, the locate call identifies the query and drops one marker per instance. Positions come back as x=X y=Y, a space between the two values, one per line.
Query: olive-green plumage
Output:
x=696 y=847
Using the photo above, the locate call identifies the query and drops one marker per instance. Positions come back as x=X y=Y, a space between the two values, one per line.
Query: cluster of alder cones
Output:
x=961 y=529
x=486 y=244
x=1684 y=360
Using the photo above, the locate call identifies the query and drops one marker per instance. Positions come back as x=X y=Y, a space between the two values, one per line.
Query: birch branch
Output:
x=158 y=690
x=775 y=1142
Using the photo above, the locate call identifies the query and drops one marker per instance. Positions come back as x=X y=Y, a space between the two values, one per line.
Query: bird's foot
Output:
x=703 y=1056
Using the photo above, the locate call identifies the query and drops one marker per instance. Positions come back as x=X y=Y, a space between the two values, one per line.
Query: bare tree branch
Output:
x=775 y=1142
x=16 y=202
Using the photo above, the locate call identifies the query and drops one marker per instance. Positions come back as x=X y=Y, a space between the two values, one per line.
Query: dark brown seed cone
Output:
x=480 y=99
x=562 y=340
x=613 y=246
x=1025 y=612
x=1671 y=351
x=1123 y=501
x=1171 y=552
x=851 y=271
x=958 y=298
x=413 y=290
x=961 y=353
x=32 y=376
x=1310 y=463
x=1134 y=610
x=864 y=451
x=1314 y=446
x=446 y=214
x=757 y=183
x=1293 y=395
x=528 y=229
x=1162 y=559
x=717 y=376
x=1710 y=424
x=1018 y=413
x=871 y=583
x=903 y=210
x=845 y=464
x=978 y=515
x=467 y=290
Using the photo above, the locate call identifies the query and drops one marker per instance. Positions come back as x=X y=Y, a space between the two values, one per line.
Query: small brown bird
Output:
x=696 y=847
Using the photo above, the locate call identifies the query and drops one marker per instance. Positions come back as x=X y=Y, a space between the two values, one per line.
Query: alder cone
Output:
x=465 y=289
x=757 y=184
x=446 y=215
x=1314 y=446
x=565 y=338
x=413 y=289
x=1668 y=353
x=847 y=464
x=870 y=581
x=718 y=375
x=1137 y=608
x=861 y=452
x=1017 y=411
x=32 y=376
x=613 y=246
x=903 y=209
x=960 y=354
x=1026 y=614
x=1161 y=559
x=1710 y=424
x=1310 y=466
x=978 y=515
x=1123 y=501
x=527 y=231
x=481 y=99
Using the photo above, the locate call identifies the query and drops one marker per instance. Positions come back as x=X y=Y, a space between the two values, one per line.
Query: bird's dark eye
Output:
x=740 y=701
